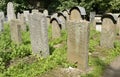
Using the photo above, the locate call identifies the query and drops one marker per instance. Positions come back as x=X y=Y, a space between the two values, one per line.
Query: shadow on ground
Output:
x=113 y=70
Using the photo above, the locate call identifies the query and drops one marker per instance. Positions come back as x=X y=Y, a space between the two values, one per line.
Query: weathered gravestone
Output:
x=15 y=31
x=23 y=23
x=56 y=28
x=118 y=24
x=62 y=19
x=77 y=13
x=35 y=11
x=92 y=19
x=26 y=13
x=77 y=43
x=18 y=15
x=1 y=21
x=39 y=34
x=48 y=20
x=108 y=32
x=10 y=11
x=66 y=14
x=45 y=12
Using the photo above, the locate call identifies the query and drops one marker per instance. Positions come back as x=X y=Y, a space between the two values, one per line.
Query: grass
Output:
x=35 y=67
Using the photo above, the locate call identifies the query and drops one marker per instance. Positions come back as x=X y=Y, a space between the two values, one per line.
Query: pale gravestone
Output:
x=45 y=12
x=10 y=11
x=98 y=23
x=18 y=15
x=15 y=31
x=1 y=21
x=39 y=34
x=77 y=13
x=108 y=32
x=62 y=19
x=66 y=13
x=35 y=11
x=26 y=13
x=77 y=43
x=56 y=28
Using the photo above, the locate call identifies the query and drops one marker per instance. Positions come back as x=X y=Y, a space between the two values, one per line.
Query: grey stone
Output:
x=66 y=13
x=39 y=34
x=23 y=23
x=26 y=13
x=35 y=11
x=45 y=12
x=108 y=32
x=77 y=13
x=62 y=19
x=15 y=31
x=77 y=43
x=10 y=11
x=1 y=21
x=56 y=28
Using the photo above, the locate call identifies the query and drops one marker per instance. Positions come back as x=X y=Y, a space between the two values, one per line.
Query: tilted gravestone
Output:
x=77 y=43
x=39 y=34
x=1 y=21
x=108 y=32
x=62 y=19
x=10 y=11
x=77 y=13
x=15 y=31
x=56 y=28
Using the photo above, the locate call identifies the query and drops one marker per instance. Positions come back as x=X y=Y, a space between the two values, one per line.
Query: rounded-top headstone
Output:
x=10 y=11
x=45 y=12
x=77 y=13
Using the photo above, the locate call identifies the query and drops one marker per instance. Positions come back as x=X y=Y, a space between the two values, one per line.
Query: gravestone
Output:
x=1 y=21
x=117 y=16
x=23 y=23
x=108 y=31
x=35 y=11
x=15 y=31
x=77 y=13
x=54 y=15
x=56 y=28
x=39 y=34
x=18 y=15
x=10 y=11
x=48 y=20
x=45 y=12
x=98 y=23
x=66 y=14
x=77 y=43
x=62 y=19
x=26 y=13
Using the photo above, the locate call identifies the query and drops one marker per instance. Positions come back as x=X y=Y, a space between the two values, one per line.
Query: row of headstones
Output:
x=96 y=21
x=78 y=34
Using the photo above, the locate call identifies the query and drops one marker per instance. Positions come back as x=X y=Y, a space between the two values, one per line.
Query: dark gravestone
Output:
x=77 y=13
x=108 y=32
x=77 y=43
x=56 y=28
x=15 y=31
x=39 y=34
